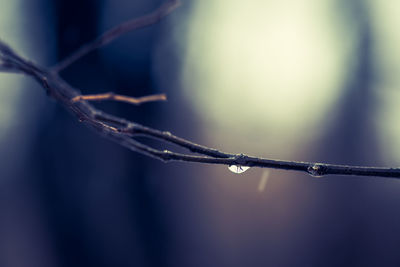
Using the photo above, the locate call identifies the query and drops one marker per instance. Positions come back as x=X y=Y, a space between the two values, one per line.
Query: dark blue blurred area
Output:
x=96 y=196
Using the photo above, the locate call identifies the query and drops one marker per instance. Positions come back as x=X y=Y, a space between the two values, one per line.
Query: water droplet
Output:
x=316 y=170
x=238 y=168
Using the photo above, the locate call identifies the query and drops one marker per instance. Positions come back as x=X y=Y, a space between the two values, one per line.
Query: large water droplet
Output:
x=316 y=170
x=238 y=168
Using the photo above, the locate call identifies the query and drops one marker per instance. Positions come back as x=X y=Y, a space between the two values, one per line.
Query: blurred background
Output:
x=305 y=80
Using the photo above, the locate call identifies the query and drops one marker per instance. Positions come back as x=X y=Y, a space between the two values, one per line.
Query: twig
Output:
x=120 y=98
x=117 y=31
x=123 y=131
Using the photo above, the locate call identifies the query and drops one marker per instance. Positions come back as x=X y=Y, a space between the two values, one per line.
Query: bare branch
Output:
x=123 y=132
x=120 y=98
x=117 y=31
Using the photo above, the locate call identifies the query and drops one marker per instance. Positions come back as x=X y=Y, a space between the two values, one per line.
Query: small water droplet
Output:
x=316 y=170
x=238 y=168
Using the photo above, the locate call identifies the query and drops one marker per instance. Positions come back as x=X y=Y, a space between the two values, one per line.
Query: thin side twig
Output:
x=120 y=98
x=117 y=31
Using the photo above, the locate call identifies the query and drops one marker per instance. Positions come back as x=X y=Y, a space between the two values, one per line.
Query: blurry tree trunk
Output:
x=95 y=194
x=350 y=139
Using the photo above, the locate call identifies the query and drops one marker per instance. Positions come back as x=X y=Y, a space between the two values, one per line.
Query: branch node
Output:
x=241 y=159
x=130 y=128
x=166 y=155
x=46 y=85
x=317 y=169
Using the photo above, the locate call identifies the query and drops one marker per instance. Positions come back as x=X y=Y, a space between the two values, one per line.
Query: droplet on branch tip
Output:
x=316 y=170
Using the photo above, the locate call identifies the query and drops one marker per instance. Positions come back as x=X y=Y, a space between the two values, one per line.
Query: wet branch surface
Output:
x=123 y=132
